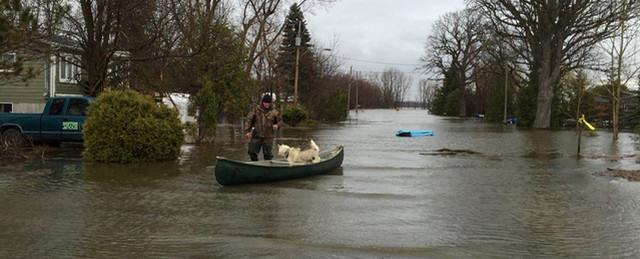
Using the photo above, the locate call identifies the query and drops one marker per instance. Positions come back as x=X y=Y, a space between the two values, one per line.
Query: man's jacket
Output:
x=261 y=121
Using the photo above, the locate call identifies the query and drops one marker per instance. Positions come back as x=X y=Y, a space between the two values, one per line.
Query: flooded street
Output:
x=525 y=194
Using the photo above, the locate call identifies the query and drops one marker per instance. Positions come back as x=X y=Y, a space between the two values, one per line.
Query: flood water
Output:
x=526 y=194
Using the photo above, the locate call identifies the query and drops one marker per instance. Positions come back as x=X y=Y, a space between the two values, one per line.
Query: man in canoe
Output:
x=260 y=125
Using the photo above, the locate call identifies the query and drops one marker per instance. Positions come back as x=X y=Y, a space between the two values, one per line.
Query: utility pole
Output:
x=506 y=85
x=349 y=90
x=357 y=85
x=295 y=83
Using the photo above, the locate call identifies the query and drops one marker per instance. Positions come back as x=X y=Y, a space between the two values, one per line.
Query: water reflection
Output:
x=526 y=194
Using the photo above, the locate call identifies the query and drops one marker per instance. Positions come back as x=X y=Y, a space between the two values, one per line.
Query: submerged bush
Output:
x=125 y=126
x=293 y=115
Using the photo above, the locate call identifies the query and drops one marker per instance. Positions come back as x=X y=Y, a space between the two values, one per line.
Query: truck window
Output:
x=56 y=107
x=77 y=107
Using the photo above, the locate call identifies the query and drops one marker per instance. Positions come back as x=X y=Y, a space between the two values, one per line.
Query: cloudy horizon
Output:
x=373 y=35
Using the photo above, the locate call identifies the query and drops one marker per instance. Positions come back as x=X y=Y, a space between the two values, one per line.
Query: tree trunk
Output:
x=93 y=83
x=615 y=113
x=618 y=85
x=548 y=77
x=463 y=105
x=545 y=90
x=206 y=129
x=580 y=93
x=462 y=109
x=543 y=107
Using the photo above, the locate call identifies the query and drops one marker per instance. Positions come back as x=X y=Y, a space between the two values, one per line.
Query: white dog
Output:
x=295 y=155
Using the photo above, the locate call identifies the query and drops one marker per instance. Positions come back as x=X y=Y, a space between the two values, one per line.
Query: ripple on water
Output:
x=525 y=195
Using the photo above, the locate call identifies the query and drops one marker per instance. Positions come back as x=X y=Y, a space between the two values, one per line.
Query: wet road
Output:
x=525 y=194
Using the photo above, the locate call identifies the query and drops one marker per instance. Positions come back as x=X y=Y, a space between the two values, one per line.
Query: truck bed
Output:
x=28 y=122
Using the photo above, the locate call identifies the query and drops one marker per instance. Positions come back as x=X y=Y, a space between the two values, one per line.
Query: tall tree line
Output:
x=527 y=47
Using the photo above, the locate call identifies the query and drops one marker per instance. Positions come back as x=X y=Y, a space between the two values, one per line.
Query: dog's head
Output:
x=283 y=150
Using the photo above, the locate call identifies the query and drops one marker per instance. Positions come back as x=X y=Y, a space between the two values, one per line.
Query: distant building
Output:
x=630 y=110
x=602 y=111
x=181 y=102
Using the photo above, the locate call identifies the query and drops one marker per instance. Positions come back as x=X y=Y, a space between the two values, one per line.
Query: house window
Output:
x=68 y=70
x=7 y=60
x=6 y=107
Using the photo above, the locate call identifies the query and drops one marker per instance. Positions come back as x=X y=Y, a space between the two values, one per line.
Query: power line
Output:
x=378 y=62
x=380 y=72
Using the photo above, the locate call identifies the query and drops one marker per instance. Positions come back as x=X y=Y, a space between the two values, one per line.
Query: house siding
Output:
x=65 y=88
x=28 y=95
x=31 y=95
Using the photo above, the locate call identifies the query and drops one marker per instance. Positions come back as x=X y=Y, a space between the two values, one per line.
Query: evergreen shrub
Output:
x=332 y=108
x=126 y=126
x=293 y=115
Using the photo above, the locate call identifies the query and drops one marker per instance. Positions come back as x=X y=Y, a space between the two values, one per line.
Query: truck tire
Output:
x=13 y=137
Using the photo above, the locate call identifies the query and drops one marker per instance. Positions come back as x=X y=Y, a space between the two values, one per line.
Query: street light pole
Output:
x=506 y=84
x=357 y=95
x=295 y=82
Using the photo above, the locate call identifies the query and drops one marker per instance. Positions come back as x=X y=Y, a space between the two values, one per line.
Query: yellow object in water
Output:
x=582 y=120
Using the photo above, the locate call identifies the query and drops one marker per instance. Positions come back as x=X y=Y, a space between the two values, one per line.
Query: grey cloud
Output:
x=380 y=30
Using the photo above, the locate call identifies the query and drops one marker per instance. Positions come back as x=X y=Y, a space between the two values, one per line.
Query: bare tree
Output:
x=261 y=27
x=394 y=86
x=620 y=56
x=455 y=42
x=328 y=61
x=49 y=14
x=556 y=37
x=426 y=92
x=109 y=34
x=92 y=25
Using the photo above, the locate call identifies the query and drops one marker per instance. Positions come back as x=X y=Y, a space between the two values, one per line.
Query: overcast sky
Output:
x=381 y=31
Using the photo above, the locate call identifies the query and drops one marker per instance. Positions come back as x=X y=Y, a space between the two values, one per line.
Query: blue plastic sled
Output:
x=414 y=133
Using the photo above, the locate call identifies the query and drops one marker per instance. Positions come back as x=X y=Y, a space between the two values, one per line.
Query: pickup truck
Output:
x=61 y=121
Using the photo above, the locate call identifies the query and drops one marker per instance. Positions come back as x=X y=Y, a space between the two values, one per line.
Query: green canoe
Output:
x=230 y=172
